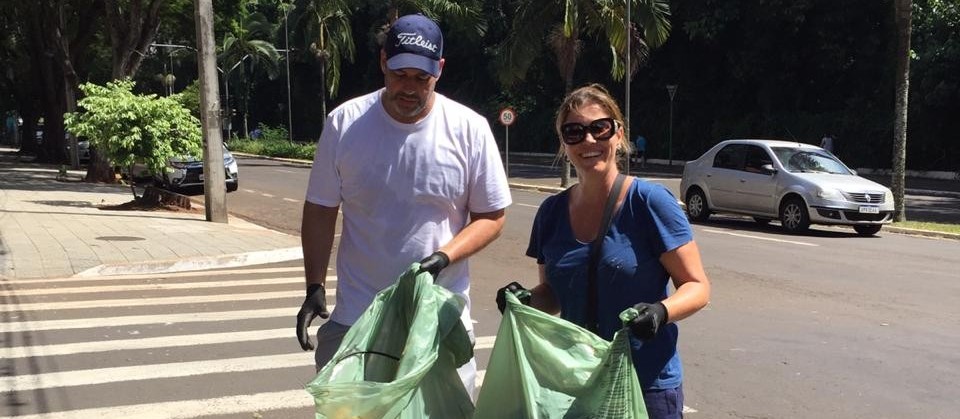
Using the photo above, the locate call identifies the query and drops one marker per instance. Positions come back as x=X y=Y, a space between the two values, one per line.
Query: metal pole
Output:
x=214 y=180
x=626 y=116
x=286 y=36
x=672 y=90
x=507 y=151
x=670 y=143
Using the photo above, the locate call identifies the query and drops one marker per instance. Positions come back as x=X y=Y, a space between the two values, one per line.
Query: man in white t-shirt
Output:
x=417 y=177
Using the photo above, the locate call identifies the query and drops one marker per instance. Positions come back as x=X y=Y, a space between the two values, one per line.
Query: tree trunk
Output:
x=131 y=31
x=902 y=18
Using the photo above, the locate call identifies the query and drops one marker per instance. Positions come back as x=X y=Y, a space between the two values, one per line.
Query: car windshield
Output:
x=805 y=160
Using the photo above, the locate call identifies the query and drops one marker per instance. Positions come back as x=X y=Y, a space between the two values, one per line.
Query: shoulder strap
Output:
x=595 y=247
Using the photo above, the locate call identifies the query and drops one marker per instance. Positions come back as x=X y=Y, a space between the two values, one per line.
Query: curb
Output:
x=194 y=263
x=924 y=233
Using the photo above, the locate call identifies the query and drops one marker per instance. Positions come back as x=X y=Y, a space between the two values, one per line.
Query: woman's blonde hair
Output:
x=591 y=94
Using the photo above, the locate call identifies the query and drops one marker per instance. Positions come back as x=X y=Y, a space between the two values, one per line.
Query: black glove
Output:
x=651 y=318
x=434 y=263
x=314 y=305
x=516 y=289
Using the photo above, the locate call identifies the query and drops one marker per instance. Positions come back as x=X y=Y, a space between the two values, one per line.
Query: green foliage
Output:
x=131 y=128
x=274 y=147
x=190 y=98
x=271 y=134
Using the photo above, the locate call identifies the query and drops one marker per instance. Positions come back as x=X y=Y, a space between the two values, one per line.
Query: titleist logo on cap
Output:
x=411 y=38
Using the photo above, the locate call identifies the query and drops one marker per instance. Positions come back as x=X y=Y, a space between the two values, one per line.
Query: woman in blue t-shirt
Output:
x=649 y=242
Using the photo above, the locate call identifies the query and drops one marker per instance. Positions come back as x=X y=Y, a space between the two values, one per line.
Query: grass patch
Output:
x=941 y=227
x=274 y=148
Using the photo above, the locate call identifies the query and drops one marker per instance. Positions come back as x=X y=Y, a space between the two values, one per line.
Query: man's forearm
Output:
x=482 y=230
x=316 y=236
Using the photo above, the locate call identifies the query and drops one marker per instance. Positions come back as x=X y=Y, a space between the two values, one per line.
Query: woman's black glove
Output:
x=648 y=322
x=516 y=289
x=314 y=305
x=434 y=263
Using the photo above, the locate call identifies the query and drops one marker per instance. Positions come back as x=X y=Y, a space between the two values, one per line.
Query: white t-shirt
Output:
x=404 y=191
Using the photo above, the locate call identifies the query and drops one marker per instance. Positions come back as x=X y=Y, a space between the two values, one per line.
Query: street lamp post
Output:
x=672 y=90
x=226 y=89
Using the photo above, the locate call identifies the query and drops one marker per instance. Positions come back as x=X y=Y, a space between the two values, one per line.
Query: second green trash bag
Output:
x=399 y=360
x=545 y=367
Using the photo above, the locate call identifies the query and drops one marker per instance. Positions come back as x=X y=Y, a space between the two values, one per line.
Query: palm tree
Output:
x=325 y=26
x=247 y=39
x=561 y=27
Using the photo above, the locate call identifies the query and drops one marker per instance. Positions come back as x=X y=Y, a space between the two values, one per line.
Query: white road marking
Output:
x=526 y=205
x=729 y=233
x=154 y=301
x=291 y=200
x=154 y=371
x=250 y=190
x=161 y=275
x=145 y=343
x=166 y=319
x=268 y=195
x=244 y=403
x=285 y=171
x=152 y=287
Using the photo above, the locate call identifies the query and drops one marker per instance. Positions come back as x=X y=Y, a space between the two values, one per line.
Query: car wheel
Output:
x=867 y=229
x=697 y=208
x=794 y=216
x=762 y=221
x=231 y=187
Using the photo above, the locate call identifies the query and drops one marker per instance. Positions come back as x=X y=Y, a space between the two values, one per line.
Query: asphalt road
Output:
x=825 y=325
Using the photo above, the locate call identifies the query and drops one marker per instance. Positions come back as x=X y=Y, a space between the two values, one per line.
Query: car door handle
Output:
x=743 y=181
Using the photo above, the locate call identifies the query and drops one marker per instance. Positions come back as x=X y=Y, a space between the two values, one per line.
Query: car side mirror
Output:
x=768 y=169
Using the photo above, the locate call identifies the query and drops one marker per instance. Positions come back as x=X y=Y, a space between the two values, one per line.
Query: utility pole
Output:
x=214 y=176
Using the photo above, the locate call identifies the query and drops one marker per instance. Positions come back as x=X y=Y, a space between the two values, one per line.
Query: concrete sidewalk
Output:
x=51 y=228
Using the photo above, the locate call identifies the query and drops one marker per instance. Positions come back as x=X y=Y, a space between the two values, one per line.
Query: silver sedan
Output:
x=798 y=184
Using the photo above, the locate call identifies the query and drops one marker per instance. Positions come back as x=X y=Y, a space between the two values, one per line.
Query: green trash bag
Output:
x=400 y=359
x=545 y=367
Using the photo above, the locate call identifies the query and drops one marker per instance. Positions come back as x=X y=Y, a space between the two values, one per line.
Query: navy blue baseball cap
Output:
x=414 y=41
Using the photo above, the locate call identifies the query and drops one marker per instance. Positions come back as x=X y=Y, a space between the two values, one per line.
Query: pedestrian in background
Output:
x=416 y=175
x=649 y=241
x=641 y=149
x=826 y=142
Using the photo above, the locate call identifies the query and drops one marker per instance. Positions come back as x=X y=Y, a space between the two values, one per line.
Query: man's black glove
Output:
x=434 y=263
x=516 y=289
x=314 y=305
x=648 y=322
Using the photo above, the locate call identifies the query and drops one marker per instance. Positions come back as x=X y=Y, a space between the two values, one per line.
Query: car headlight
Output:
x=831 y=194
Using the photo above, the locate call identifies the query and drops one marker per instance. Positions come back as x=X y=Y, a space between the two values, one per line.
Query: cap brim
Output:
x=419 y=62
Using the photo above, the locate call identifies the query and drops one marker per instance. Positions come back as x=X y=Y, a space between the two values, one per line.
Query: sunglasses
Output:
x=601 y=130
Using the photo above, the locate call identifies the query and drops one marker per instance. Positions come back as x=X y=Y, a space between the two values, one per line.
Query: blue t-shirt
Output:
x=648 y=224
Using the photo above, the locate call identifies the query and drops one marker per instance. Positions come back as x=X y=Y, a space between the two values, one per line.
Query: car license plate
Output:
x=869 y=210
x=200 y=176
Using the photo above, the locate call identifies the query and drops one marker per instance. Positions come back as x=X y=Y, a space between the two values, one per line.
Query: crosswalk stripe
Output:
x=145 y=343
x=154 y=371
x=175 y=318
x=185 y=274
x=151 y=287
x=154 y=301
x=245 y=403
x=36 y=351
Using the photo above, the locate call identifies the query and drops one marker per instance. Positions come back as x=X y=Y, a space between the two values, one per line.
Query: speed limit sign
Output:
x=507 y=116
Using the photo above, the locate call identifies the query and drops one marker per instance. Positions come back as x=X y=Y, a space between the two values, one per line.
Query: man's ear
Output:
x=442 y=62
x=383 y=61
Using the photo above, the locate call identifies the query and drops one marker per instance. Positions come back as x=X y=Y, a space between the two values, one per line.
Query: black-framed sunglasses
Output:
x=601 y=130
